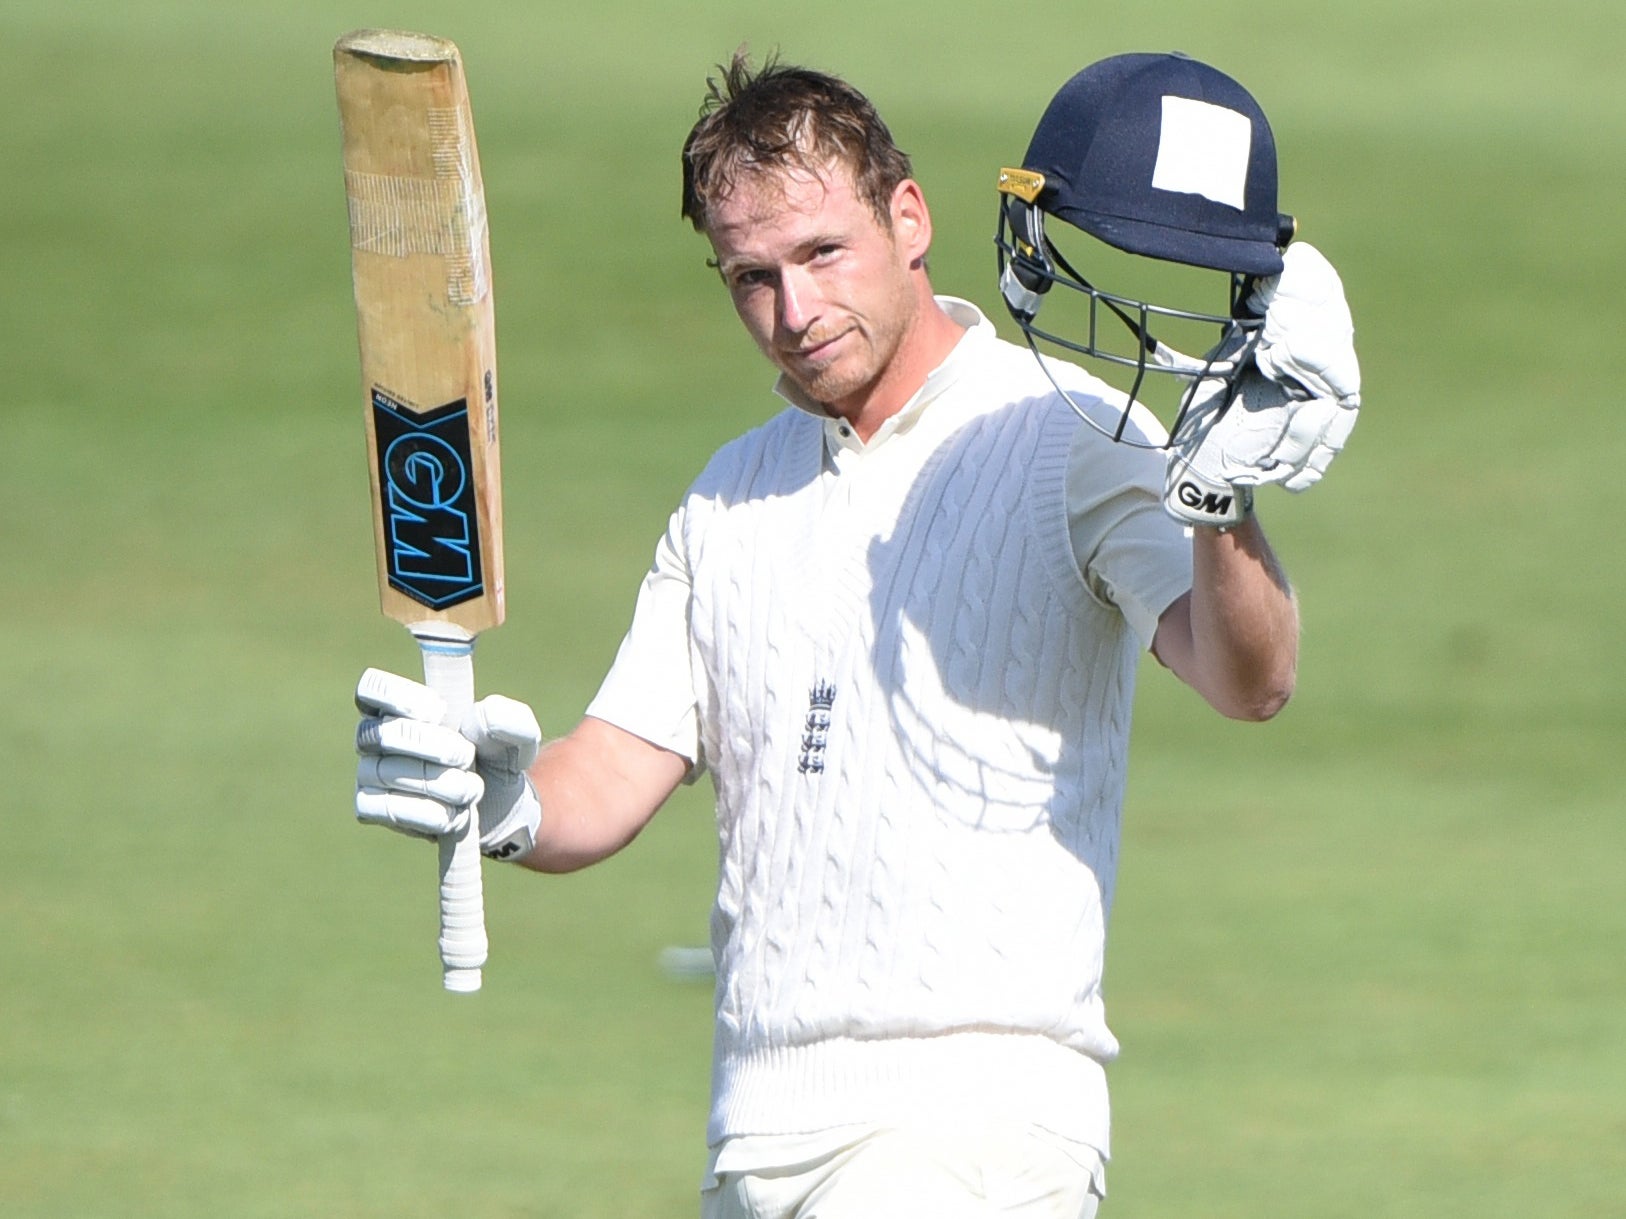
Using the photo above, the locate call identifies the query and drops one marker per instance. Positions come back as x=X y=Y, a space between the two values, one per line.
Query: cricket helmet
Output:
x=1156 y=155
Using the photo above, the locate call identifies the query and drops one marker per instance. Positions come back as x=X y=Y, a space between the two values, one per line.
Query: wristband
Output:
x=1197 y=500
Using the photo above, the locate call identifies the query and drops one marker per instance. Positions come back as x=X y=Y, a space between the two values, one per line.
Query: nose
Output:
x=799 y=299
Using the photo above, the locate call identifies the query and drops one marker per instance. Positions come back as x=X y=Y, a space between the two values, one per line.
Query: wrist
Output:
x=514 y=835
x=1245 y=509
x=1197 y=499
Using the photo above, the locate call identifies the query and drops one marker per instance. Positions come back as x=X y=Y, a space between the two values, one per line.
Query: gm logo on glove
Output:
x=1197 y=499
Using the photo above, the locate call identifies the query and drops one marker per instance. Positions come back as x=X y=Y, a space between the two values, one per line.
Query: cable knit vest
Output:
x=916 y=717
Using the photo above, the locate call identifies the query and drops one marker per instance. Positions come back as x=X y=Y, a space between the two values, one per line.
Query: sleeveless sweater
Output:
x=916 y=716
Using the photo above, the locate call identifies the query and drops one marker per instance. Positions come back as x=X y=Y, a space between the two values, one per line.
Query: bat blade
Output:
x=421 y=270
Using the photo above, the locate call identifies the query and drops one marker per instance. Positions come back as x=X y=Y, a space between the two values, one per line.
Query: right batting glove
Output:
x=420 y=778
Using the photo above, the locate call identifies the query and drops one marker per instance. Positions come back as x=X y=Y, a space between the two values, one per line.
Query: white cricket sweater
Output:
x=916 y=715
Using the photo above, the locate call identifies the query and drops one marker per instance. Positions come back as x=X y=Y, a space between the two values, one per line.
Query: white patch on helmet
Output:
x=1203 y=150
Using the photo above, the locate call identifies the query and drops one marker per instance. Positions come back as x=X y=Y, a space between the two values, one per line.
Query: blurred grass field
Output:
x=1366 y=961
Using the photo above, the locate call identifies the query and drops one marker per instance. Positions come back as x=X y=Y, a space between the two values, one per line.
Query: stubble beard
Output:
x=842 y=384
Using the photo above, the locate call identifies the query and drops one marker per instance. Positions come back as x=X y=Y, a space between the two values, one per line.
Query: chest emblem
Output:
x=816 y=729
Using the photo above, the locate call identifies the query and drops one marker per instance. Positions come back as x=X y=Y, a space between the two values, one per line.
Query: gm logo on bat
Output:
x=430 y=527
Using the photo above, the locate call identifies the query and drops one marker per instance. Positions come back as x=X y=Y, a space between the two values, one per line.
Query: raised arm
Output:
x=1234 y=637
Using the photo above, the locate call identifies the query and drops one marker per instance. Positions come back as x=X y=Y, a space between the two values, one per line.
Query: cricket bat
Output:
x=421 y=268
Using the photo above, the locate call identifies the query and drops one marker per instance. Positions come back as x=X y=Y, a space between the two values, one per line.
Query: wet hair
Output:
x=781 y=117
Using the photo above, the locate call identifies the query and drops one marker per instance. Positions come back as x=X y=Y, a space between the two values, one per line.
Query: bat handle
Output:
x=448 y=669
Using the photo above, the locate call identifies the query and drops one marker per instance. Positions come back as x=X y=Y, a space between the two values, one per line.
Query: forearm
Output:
x=599 y=786
x=1235 y=640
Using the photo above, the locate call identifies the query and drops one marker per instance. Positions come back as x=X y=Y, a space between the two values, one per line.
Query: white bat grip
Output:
x=448 y=669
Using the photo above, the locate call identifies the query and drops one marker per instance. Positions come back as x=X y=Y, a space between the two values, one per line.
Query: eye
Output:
x=750 y=277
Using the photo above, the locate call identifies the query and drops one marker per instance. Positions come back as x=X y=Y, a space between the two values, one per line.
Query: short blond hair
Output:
x=785 y=117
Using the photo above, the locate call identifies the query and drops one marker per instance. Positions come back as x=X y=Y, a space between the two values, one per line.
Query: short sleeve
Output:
x=1132 y=554
x=649 y=690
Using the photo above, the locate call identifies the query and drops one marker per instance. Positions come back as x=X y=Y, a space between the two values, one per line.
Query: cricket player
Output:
x=898 y=625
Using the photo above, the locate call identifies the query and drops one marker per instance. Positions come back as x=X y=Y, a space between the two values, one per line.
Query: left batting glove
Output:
x=420 y=778
x=1308 y=343
x=1294 y=408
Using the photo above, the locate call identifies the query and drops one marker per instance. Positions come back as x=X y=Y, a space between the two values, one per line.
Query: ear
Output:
x=911 y=221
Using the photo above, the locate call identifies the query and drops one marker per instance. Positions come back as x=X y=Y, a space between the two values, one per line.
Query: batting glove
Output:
x=1308 y=343
x=1292 y=412
x=421 y=778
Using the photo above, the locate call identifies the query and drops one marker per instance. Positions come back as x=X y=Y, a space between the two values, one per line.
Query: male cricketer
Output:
x=899 y=625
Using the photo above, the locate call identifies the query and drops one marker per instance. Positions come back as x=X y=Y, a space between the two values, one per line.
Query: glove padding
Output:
x=506 y=740
x=1308 y=343
x=1294 y=407
x=421 y=778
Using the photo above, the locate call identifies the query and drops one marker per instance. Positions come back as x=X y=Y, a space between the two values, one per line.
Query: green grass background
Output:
x=1366 y=961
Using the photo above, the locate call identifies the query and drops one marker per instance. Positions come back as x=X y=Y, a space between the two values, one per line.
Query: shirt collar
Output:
x=838 y=435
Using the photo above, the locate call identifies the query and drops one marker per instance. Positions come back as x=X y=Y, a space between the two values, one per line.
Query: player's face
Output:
x=826 y=289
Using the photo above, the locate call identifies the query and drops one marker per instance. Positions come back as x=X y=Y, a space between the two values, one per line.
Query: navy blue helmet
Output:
x=1156 y=155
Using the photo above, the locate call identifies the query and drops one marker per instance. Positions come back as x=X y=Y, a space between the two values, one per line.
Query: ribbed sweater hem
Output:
x=843 y=1081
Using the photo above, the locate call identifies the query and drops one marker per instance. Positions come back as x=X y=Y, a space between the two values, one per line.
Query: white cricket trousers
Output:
x=1015 y=1172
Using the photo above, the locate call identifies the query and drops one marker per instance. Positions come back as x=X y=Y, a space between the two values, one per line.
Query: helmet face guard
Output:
x=1112 y=328
x=1159 y=156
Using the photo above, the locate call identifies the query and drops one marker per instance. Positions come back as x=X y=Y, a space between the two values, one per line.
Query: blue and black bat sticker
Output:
x=431 y=522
